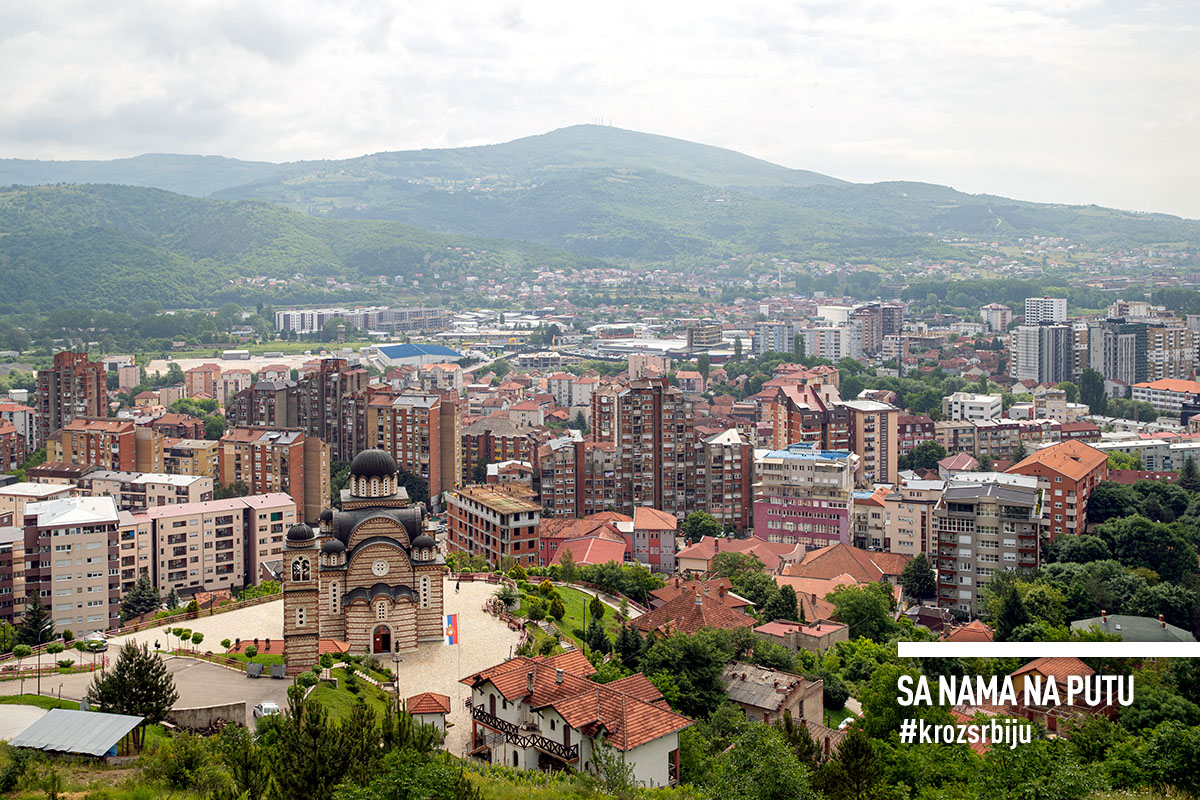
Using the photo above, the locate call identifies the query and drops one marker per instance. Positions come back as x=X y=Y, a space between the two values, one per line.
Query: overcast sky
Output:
x=1053 y=100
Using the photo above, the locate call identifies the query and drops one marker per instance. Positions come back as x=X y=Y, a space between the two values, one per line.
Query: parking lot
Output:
x=198 y=684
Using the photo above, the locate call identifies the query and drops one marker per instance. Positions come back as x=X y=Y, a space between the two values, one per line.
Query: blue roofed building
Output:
x=399 y=355
x=804 y=495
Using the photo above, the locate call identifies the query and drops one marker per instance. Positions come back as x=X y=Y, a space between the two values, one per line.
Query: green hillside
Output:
x=109 y=246
x=195 y=175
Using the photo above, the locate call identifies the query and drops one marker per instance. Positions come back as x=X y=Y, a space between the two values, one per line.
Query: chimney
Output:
x=720 y=591
x=1103 y=617
x=558 y=676
x=529 y=682
x=1162 y=622
x=699 y=599
x=677 y=583
x=716 y=544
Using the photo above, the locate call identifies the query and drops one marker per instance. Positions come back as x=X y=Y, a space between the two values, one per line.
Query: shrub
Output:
x=225 y=643
x=251 y=652
x=68 y=636
x=65 y=663
x=306 y=679
x=326 y=660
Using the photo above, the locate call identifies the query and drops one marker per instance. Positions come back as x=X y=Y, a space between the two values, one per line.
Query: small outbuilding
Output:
x=87 y=733
x=429 y=708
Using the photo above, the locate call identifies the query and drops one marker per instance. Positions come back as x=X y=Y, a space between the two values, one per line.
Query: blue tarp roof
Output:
x=64 y=730
x=412 y=350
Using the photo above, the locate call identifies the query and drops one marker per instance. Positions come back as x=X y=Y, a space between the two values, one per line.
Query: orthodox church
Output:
x=370 y=576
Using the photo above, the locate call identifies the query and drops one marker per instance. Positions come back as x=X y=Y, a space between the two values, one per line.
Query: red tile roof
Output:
x=865 y=566
x=618 y=709
x=1070 y=458
x=428 y=703
x=669 y=592
x=973 y=631
x=591 y=550
x=1060 y=668
x=651 y=519
x=685 y=615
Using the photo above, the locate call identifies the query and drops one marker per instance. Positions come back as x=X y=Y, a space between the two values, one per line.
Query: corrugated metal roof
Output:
x=68 y=731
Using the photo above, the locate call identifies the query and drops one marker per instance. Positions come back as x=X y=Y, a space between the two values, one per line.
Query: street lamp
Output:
x=396 y=659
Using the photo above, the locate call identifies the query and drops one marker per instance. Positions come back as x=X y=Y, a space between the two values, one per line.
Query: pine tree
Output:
x=629 y=646
x=597 y=640
x=1189 y=478
x=854 y=771
x=596 y=608
x=800 y=740
x=1019 y=452
x=37 y=626
x=1012 y=614
x=137 y=684
x=142 y=598
x=173 y=600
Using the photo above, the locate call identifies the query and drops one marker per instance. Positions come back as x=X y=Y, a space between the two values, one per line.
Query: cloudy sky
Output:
x=1053 y=100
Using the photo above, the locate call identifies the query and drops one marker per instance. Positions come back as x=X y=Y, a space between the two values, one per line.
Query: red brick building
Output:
x=912 y=430
x=72 y=387
x=421 y=431
x=202 y=381
x=497 y=522
x=12 y=446
x=1068 y=472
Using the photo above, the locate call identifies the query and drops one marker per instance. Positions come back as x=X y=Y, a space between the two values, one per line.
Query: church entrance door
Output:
x=382 y=641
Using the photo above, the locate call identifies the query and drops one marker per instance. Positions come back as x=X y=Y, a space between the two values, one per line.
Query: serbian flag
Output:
x=452 y=629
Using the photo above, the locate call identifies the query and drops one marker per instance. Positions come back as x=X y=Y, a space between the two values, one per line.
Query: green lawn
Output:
x=38 y=700
x=340 y=701
x=834 y=718
x=261 y=658
x=576 y=602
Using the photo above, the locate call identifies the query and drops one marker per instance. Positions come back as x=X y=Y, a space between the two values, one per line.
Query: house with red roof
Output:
x=691 y=612
x=697 y=558
x=544 y=713
x=429 y=708
x=653 y=539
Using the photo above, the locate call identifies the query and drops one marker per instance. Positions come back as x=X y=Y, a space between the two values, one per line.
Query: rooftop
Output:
x=73 y=511
x=500 y=500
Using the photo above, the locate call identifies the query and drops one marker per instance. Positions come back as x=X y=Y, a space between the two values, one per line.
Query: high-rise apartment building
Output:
x=812 y=414
x=497 y=522
x=996 y=316
x=266 y=404
x=985 y=522
x=650 y=423
x=267 y=461
x=874 y=439
x=1170 y=352
x=489 y=440
x=202 y=381
x=72 y=387
x=1042 y=353
x=1039 y=310
x=421 y=432
x=1067 y=473
x=332 y=406
x=577 y=478
x=725 y=478
x=192 y=457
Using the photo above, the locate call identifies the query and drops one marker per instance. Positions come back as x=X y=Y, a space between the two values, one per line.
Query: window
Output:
x=300 y=617
x=333 y=597
x=381 y=610
x=301 y=571
x=425 y=592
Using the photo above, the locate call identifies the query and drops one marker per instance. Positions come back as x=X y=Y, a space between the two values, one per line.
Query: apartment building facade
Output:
x=1068 y=473
x=269 y=461
x=873 y=438
x=970 y=406
x=725 y=479
x=421 y=432
x=107 y=443
x=497 y=522
x=804 y=495
x=192 y=457
x=137 y=491
x=72 y=387
x=985 y=522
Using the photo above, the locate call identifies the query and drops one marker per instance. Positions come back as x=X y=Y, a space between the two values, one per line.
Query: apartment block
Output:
x=1119 y=350
x=775 y=337
x=232 y=382
x=107 y=443
x=1045 y=309
x=704 y=337
x=15 y=496
x=873 y=438
x=71 y=551
x=332 y=406
x=811 y=414
x=577 y=478
x=192 y=457
x=269 y=461
x=489 y=440
x=969 y=406
x=1042 y=353
x=266 y=404
x=650 y=422
x=72 y=387
x=1170 y=352
x=985 y=522
x=913 y=430
x=996 y=316
x=24 y=419
x=420 y=431
x=909 y=519
x=12 y=573
x=137 y=491
x=497 y=522
x=1067 y=473
x=804 y=495
x=12 y=446
x=178 y=426
x=725 y=479
x=216 y=544
x=202 y=381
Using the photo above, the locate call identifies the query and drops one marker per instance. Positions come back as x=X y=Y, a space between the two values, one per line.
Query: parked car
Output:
x=846 y=723
x=96 y=645
x=266 y=710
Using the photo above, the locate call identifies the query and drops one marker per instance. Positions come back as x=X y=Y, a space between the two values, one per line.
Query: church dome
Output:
x=300 y=533
x=333 y=546
x=374 y=463
x=326 y=515
x=424 y=541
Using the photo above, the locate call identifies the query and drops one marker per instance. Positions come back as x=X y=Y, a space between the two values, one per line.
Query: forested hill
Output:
x=108 y=246
x=624 y=196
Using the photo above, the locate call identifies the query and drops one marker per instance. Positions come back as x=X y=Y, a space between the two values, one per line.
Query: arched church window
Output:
x=381 y=610
x=301 y=570
x=374 y=487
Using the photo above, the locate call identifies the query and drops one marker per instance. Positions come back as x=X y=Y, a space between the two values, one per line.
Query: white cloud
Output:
x=1063 y=100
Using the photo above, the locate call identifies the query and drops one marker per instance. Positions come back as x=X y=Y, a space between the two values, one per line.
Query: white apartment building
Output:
x=973 y=407
x=1045 y=309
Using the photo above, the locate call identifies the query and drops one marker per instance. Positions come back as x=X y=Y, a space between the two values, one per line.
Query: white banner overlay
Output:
x=1049 y=649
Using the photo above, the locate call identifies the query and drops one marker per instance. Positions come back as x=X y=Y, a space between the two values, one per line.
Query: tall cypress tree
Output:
x=142 y=598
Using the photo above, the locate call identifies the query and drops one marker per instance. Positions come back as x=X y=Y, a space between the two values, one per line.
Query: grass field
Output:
x=41 y=701
x=341 y=701
x=576 y=603
x=261 y=658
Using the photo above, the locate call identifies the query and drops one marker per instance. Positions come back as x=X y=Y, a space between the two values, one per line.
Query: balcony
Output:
x=514 y=735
